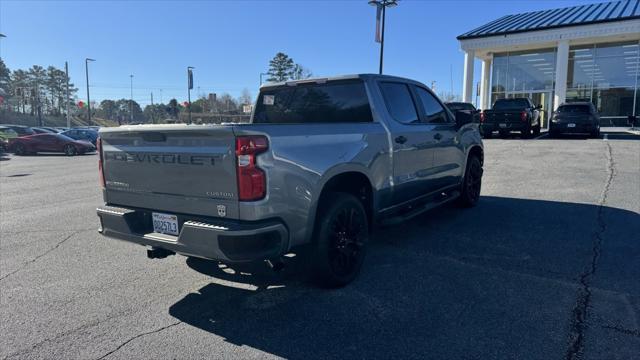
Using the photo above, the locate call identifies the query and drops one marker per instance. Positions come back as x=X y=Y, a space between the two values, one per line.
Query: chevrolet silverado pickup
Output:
x=507 y=115
x=320 y=165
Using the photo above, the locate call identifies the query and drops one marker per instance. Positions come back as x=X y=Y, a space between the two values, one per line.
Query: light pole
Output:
x=2 y=36
x=189 y=87
x=261 y=75
x=131 y=101
x=86 y=70
x=381 y=6
x=66 y=74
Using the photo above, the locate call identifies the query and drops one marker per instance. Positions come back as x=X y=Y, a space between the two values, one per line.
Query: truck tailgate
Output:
x=503 y=117
x=186 y=169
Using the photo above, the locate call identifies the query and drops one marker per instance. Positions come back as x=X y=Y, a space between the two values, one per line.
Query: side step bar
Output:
x=441 y=199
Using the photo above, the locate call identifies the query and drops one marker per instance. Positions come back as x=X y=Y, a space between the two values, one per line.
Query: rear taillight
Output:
x=523 y=116
x=481 y=116
x=100 y=166
x=252 y=181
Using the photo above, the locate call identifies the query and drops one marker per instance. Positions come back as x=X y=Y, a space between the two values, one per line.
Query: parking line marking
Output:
x=541 y=136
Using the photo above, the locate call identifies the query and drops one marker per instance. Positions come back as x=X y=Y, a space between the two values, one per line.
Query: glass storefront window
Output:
x=606 y=75
x=524 y=71
x=499 y=76
x=614 y=105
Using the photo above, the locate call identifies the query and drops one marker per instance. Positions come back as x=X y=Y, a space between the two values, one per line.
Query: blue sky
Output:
x=231 y=42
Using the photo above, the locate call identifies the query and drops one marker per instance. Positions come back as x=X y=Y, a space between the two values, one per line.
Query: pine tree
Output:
x=280 y=68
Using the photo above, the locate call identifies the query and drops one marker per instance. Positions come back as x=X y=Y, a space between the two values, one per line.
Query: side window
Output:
x=432 y=111
x=399 y=102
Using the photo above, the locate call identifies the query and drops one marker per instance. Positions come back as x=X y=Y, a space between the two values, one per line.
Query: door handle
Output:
x=437 y=136
x=401 y=139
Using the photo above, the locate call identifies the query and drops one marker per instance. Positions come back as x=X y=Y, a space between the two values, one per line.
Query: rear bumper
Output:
x=491 y=127
x=562 y=128
x=208 y=238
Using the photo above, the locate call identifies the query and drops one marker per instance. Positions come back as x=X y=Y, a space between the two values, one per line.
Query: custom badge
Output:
x=222 y=210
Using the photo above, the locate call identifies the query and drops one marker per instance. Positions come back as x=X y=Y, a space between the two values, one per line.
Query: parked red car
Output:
x=49 y=143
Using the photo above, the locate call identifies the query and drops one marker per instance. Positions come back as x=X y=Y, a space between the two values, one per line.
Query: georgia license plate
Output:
x=502 y=125
x=571 y=125
x=165 y=223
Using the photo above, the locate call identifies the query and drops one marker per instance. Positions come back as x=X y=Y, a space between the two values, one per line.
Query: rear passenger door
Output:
x=448 y=155
x=413 y=143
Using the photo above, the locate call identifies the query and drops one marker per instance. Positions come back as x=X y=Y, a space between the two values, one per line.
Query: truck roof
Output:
x=320 y=80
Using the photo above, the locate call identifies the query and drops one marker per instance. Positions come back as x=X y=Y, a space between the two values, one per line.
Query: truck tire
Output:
x=536 y=130
x=526 y=133
x=472 y=183
x=340 y=237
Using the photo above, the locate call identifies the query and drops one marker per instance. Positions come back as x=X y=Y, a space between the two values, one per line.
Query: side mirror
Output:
x=463 y=118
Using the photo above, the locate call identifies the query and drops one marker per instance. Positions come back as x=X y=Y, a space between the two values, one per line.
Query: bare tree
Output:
x=300 y=72
x=446 y=96
x=245 y=97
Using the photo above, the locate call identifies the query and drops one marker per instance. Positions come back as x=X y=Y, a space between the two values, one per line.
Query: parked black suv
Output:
x=575 y=118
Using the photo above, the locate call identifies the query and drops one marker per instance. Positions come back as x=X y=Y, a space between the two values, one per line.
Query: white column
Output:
x=467 y=84
x=485 y=99
x=562 y=65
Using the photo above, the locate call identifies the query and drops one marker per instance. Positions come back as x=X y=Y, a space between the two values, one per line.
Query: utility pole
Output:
x=381 y=6
x=86 y=70
x=153 y=120
x=131 y=101
x=189 y=87
x=66 y=71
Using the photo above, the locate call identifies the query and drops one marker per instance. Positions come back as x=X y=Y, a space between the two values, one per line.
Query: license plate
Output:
x=165 y=223
x=502 y=125
x=571 y=125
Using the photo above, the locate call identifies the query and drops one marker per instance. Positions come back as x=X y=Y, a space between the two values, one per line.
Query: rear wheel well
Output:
x=354 y=183
x=477 y=151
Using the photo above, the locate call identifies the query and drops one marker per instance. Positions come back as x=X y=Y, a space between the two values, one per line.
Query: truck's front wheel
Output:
x=341 y=235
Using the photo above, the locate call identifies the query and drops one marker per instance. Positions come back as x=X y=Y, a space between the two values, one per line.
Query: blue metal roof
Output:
x=555 y=18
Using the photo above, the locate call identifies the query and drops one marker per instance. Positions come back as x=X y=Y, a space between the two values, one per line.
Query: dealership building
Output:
x=581 y=53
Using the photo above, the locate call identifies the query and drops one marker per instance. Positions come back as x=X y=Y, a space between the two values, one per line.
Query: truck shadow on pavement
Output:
x=496 y=281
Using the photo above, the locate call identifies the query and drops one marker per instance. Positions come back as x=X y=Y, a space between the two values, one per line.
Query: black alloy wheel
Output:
x=341 y=238
x=472 y=182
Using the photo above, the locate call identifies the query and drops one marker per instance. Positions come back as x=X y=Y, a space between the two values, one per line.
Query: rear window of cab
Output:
x=574 y=109
x=331 y=102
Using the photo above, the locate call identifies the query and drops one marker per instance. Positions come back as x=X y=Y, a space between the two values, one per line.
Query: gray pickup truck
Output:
x=322 y=162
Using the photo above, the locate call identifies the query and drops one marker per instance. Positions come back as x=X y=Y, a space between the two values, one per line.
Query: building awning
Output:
x=556 y=18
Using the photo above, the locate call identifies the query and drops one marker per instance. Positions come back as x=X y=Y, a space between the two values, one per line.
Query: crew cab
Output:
x=320 y=165
x=507 y=115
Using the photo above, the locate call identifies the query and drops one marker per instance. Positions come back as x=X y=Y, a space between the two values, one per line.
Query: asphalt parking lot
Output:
x=547 y=266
